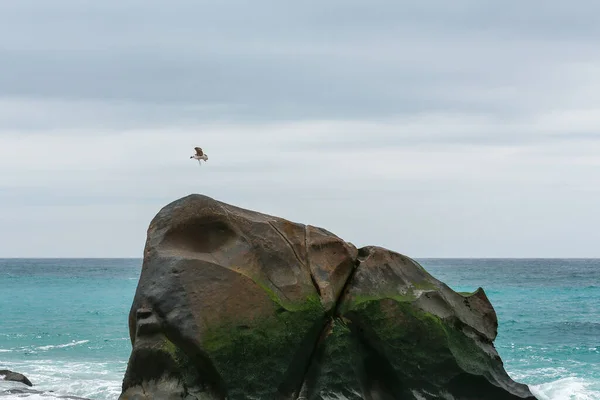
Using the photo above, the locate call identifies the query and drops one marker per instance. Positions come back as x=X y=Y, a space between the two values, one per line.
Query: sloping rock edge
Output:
x=15 y=377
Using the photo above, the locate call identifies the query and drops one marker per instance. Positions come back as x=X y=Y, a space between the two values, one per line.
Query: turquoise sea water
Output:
x=63 y=322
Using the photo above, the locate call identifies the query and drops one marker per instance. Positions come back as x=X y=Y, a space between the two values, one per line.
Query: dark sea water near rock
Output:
x=63 y=322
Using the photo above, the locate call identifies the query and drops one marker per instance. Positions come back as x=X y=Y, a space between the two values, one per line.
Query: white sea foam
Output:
x=60 y=346
x=567 y=389
x=93 y=380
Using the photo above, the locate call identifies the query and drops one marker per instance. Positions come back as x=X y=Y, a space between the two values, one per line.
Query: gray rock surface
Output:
x=14 y=377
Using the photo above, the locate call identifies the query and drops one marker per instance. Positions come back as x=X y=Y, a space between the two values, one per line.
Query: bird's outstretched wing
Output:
x=199 y=151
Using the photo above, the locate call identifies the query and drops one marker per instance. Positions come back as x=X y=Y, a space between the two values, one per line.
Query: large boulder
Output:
x=235 y=304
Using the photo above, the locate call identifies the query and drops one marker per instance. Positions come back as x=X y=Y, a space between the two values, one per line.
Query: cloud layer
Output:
x=437 y=130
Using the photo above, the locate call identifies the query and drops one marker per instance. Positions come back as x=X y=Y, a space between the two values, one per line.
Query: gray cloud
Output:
x=270 y=60
x=436 y=128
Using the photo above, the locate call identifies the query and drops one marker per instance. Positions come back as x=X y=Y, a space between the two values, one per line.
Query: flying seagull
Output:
x=199 y=155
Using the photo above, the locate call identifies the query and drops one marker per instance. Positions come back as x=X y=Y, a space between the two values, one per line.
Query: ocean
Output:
x=63 y=322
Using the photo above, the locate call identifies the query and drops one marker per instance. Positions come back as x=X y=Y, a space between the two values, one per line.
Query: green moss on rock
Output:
x=253 y=360
x=335 y=365
x=185 y=367
x=415 y=341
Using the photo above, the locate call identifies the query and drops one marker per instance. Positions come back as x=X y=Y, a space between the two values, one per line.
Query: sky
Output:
x=432 y=128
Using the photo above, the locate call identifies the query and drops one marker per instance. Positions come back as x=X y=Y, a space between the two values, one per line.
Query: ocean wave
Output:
x=61 y=346
x=92 y=380
x=567 y=389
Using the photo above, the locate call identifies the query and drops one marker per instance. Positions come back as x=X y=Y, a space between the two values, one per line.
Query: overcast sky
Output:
x=434 y=128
